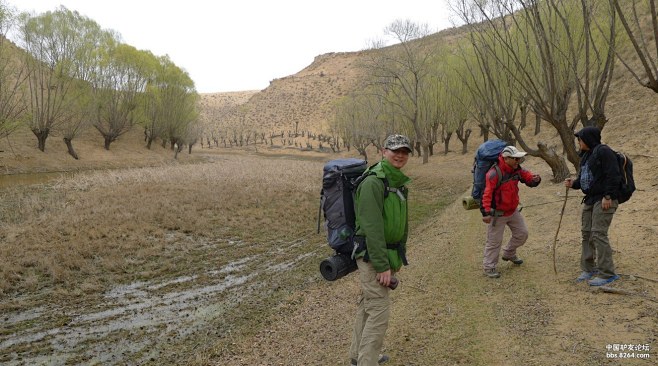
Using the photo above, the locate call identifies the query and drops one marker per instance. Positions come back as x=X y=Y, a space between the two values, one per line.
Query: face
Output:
x=513 y=162
x=582 y=145
x=398 y=158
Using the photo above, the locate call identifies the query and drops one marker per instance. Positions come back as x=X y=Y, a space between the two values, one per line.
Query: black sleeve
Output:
x=611 y=173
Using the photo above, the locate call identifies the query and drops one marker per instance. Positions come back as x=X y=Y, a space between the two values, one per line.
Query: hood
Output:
x=591 y=136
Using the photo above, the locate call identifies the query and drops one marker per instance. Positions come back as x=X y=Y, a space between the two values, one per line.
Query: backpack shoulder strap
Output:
x=387 y=188
x=503 y=178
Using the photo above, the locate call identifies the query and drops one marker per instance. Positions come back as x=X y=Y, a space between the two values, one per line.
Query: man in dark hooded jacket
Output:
x=599 y=178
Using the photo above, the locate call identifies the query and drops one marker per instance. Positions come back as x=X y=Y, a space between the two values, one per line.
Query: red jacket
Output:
x=507 y=194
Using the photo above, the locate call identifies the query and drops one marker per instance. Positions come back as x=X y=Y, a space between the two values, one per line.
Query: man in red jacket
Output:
x=499 y=208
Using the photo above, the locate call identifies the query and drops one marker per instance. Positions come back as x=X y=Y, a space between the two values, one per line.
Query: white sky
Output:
x=238 y=45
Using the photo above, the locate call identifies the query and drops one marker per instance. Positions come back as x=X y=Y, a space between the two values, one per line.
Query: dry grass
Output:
x=79 y=229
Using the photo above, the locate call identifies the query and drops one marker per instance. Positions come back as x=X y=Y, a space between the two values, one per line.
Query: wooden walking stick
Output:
x=564 y=204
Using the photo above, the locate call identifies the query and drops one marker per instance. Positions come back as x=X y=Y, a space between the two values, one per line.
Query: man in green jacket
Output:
x=381 y=231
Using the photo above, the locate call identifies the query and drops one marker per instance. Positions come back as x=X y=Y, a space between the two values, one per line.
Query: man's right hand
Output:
x=568 y=182
x=384 y=278
x=487 y=219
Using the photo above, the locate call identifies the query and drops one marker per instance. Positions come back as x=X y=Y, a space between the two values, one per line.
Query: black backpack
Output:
x=627 y=185
x=339 y=183
x=340 y=180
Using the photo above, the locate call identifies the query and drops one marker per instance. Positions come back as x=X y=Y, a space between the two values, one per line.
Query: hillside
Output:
x=297 y=103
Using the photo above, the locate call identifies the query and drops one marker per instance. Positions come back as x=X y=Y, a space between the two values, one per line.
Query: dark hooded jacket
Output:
x=599 y=173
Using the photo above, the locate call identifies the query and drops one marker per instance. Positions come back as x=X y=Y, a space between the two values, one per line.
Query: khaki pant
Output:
x=595 y=225
x=495 y=231
x=371 y=317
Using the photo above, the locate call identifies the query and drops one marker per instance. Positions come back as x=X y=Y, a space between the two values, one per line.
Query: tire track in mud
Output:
x=140 y=321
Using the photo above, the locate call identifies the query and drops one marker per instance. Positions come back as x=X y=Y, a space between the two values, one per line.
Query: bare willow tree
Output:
x=13 y=76
x=491 y=85
x=400 y=73
x=539 y=46
x=455 y=103
x=632 y=14
x=360 y=121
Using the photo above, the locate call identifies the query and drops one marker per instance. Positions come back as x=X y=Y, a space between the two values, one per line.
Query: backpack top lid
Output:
x=341 y=164
x=490 y=150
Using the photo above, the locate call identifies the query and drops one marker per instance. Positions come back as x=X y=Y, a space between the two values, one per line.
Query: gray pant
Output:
x=371 y=317
x=595 y=225
x=495 y=231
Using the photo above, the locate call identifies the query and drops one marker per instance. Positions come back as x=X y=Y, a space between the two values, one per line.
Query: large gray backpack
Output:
x=339 y=183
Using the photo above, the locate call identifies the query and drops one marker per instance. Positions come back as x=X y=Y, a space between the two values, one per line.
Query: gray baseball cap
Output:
x=395 y=142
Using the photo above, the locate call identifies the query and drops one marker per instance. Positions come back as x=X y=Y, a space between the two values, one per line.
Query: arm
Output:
x=369 y=211
x=491 y=179
x=611 y=172
x=529 y=179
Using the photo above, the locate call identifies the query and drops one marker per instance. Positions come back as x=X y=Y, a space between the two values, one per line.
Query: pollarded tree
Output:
x=533 y=43
x=13 y=76
x=55 y=43
x=360 y=121
x=172 y=102
x=118 y=86
x=455 y=102
x=89 y=63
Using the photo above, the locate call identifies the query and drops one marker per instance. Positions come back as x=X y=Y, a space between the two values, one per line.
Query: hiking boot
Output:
x=514 y=259
x=599 y=281
x=491 y=273
x=382 y=359
x=586 y=276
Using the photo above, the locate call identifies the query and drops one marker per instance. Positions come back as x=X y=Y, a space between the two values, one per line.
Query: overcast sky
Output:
x=238 y=45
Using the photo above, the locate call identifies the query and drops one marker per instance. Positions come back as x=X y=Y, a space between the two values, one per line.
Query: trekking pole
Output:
x=564 y=204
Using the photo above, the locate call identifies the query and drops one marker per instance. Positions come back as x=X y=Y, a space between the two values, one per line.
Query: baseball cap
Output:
x=395 y=142
x=513 y=152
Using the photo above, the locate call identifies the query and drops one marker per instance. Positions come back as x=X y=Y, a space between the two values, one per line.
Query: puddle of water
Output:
x=139 y=310
x=138 y=319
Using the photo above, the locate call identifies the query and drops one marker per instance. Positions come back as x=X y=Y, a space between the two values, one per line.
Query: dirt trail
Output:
x=446 y=312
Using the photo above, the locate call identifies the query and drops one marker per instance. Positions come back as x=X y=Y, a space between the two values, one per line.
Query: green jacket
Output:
x=380 y=220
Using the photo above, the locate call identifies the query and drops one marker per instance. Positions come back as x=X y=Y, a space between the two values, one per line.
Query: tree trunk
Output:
x=556 y=162
x=537 y=124
x=69 y=146
x=446 y=143
x=362 y=152
x=426 y=154
x=41 y=135
x=149 y=141
x=108 y=140
x=417 y=147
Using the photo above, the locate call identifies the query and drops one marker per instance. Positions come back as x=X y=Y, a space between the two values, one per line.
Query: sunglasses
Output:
x=517 y=159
